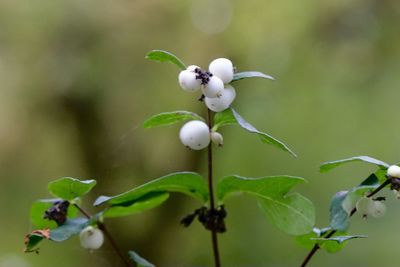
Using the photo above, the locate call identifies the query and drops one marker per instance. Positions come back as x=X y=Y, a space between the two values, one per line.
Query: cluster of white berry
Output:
x=91 y=238
x=218 y=96
x=214 y=83
x=368 y=206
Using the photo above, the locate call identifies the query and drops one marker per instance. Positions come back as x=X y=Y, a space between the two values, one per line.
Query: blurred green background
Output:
x=75 y=89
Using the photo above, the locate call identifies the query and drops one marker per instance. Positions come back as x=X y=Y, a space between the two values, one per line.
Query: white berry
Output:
x=91 y=238
x=394 y=171
x=214 y=87
x=217 y=138
x=195 y=135
x=222 y=68
x=369 y=207
x=188 y=81
x=378 y=210
x=222 y=102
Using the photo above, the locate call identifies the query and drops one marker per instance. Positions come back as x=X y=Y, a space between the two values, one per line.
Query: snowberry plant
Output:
x=362 y=199
x=60 y=218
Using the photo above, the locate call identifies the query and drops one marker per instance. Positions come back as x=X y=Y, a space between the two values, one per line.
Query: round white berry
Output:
x=369 y=207
x=91 y=238
x=222 y=102
x=195 y=135
x=222 y=68
x=364 y=205
x=378 y=209
x=214 y=87
x=188 y=81
x=217 y=138
x=394 y=171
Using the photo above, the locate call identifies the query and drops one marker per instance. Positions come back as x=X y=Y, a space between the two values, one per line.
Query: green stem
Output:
x=332 y=232
x=214 y=234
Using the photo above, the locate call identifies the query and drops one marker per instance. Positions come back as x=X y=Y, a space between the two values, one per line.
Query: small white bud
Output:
x=195 y=135
x=91 y=238
x=394 y=171
x=188 y=81
x=214 y=87
x=222 y=102
x=217 y=138
x=222 y=68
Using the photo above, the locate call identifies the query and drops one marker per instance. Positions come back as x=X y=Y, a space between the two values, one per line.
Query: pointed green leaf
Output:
x=68 y=229
x=251 y=74
x=340 y=239
x=140 y=262
x=336 y=243
x=149 y=201
x=291 y=213
x=327 y=166
x=340 y=219
x=168 y=118
x=164 y=56
x=230 y=116
x=188 y=183
x=38 y=210
x=70 y=188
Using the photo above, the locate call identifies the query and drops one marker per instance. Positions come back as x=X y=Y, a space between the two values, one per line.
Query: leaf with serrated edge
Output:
x=140 y=262
x=327 y=166
x=188 y=183
x=168 y=118
x=291 y=213
x=164 y=56
x=251 y=74
x=148 y=202
x=70 y=188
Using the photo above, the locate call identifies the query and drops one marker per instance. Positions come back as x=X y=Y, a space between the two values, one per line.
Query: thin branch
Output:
x=214 y=235
x=316 y=247
x=103 y=227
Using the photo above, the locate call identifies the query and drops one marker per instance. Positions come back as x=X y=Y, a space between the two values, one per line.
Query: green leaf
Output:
x=307 y=240
x=68 y=229
x=291 y=213
x=188 y=183
x=140 y=262
x=70 y=188
x=251 y=74
x=340 y=219
x=223 y=118
x=168 y=118
x=164 y=56
x=335 y=243
x=327 y=166
x=38 y=210
x=149 y=201
x=230 y=116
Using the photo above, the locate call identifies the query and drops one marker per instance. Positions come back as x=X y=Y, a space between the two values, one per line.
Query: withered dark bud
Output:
x=58 y=212
x=395 y=183
x=188 y=219
x=211 y=219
